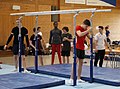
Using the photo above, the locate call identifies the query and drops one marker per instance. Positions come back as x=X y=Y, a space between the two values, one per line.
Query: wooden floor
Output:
x=7 y=53
x=46 y=59
x=30 y=60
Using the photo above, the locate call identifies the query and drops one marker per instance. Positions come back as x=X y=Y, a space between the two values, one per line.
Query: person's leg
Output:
x=71 y=77
x=67 y=54
x=63 y=56
x=53 y=53
x=96 y=59
x=102 y=54
x=15 y=58
x=63 y=59
x=59 y=52
x=78 y=54
x=67 y=59
x=24 y=62
x=15 y=55
x=80 y=63
x=41 y=60
x=72 y=71
x=23 y=56
x=23 y=59
x=80 y=57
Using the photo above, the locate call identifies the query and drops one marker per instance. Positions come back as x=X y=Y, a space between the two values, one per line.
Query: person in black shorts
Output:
x=66 y=40
x=40 y=46
x=82 y=31
x=15 y=33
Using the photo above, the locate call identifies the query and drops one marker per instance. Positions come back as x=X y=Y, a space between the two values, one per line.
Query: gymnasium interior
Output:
x=67 y=13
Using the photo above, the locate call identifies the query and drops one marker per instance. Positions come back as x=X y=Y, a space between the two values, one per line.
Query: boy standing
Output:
x=66 y=40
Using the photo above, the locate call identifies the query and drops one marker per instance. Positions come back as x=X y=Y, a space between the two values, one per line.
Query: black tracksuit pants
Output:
x=99 y=55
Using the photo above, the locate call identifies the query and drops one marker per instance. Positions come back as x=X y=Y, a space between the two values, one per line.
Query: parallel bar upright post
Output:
x=36 y=45
x=74 y=43
x=91 y=50
x=19 y=38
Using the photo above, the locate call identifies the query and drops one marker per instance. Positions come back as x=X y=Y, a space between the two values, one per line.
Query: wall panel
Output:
x=7 y=22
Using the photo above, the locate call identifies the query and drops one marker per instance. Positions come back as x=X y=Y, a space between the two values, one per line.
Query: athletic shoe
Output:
x=26 y=71
x=80 y=81
x=69 y=82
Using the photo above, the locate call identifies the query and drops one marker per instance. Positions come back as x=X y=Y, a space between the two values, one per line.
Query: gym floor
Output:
x=46 y=60
x=8 y=67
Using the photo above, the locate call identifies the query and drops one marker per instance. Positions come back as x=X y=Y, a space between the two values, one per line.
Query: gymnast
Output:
x=100 y=42
x=66 y=41
x=82 y=32
x=55 y=41
x=15 y=33
x=40 y=45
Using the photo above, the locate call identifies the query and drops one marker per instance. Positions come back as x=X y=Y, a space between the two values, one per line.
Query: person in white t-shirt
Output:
x=40 y=33
x=100 y=42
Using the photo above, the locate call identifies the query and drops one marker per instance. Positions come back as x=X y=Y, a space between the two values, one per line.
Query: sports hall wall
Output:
x=7 y=22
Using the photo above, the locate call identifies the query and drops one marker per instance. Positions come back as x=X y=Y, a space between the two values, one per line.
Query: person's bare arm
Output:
x=42 y=44
x=96 y=42
x=32 y=44
x=70 y=40
x=27 y=40
x=80 y=34
x=88 y=36
x=106 y=43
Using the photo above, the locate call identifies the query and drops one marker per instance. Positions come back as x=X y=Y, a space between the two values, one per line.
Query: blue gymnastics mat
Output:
x=27 y=81
x=107 y=76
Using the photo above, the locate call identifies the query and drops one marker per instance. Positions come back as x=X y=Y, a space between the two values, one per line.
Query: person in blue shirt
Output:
x=108 y=34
